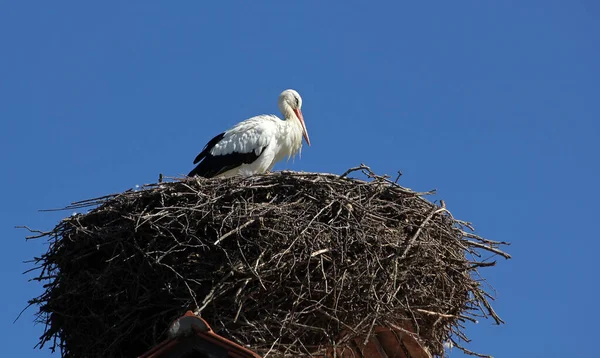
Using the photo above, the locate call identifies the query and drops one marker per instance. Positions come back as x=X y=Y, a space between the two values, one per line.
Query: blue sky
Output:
x=494 y=104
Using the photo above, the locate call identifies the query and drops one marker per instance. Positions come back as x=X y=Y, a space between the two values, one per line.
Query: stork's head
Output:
x=290 y=104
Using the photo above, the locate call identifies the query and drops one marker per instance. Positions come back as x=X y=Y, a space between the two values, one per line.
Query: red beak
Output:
x=304 y=131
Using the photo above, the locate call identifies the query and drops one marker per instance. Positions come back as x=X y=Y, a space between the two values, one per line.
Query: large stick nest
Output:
x=282 y=263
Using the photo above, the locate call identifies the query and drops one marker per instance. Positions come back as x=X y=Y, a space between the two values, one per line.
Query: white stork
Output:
x=256 y=144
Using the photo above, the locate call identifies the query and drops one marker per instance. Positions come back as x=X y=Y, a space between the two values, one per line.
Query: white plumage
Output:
x=255 y=145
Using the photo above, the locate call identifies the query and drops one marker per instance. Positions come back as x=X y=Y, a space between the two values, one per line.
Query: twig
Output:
x=490 y=248
x=466 y=351
x=416 y=234
x=237 y=229
x=355 y=169
x=319 y=252
x=398 y=177
x=41 y=233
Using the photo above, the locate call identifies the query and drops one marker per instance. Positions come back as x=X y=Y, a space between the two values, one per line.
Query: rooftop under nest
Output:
x=282 y=263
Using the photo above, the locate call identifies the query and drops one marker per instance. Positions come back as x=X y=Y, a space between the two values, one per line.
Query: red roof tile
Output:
x=191 y=336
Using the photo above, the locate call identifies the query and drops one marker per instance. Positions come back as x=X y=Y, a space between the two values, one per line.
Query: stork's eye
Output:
x=297 y=102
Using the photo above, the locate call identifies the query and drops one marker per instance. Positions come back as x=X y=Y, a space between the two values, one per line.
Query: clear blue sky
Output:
x=493 y=103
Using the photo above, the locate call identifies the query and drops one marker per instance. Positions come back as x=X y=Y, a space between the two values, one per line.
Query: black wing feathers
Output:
x=212 y=165
x=208 y=147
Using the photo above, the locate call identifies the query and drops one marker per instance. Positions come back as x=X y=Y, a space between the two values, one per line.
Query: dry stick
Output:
x=369 y=173
x=398 y=177
x=210 y=295
x=368 y=335
x=479 y=238
x=417 y=328
x=466 y=351
x=355 y=169
x=443 y=315
x=482 y=264
x=243 y=226
x=416 y=235
x=241 y=302
x=410 y=243
x=41 y=233
x=319 y=252
x=271 y=348
x=489 y=248
x=315 y=217
x=489 y=307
